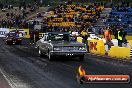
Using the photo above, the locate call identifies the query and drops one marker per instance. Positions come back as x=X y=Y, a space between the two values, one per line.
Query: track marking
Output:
x=10 y=82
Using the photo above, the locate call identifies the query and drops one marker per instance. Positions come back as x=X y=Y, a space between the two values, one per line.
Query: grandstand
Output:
x=121 y=16
x=81 y=16
x=74 y=15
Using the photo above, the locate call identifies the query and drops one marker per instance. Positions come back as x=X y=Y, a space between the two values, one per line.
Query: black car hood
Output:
x=66 y=43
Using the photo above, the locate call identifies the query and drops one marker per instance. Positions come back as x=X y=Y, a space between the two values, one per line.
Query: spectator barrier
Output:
x=112 y=36
x=130 y=42
x=119 y=52
x=3 y=31
x=96 y=46
x=24 y=31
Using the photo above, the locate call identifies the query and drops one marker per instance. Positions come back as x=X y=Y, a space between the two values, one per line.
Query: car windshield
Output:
x=11 y=35
x=59 y=37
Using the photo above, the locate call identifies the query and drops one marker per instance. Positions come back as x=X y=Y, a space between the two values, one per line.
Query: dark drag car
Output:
x=11 y=38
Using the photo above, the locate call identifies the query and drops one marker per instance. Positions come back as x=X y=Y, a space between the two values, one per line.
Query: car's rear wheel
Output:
x=81 y=58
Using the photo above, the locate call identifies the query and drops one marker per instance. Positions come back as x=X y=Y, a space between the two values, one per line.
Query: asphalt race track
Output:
x=23 y=68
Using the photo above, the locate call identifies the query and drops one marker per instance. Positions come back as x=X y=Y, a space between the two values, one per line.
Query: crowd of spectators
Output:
x=16 y=19
x=77 y=19
x=6 y=6
x=70 y=17
x=64 y=17
x=120 y=17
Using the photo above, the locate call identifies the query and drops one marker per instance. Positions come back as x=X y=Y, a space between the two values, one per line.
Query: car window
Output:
x=45 y=37
x=11 y=35
x=59 y=37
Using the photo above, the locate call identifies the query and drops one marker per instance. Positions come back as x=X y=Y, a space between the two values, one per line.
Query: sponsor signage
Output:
x=82 y=77
x=107 y=78
x=21 y=32
x=93 y=46
x=3 y=31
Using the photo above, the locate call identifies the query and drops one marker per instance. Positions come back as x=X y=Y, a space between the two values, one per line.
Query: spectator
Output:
x=115 y=32
x=31 y=37
x=124 y=37
x=85 y=36
x=109 y=43
x=120 y=37
x=107 y=34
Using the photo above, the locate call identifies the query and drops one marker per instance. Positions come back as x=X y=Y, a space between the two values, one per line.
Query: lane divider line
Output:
x=10 y=82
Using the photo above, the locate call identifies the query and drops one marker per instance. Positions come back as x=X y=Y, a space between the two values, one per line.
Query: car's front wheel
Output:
x=6 y=43
x=50 y=57
x=40 y=53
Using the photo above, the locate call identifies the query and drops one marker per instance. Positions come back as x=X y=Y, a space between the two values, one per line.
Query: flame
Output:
x=81 y=71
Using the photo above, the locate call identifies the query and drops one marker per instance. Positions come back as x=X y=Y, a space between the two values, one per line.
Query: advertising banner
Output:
x=96 y=46
x=21 y=32
x=3 y=31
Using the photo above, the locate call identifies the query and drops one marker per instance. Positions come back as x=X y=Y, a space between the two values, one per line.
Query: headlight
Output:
x=57 y=49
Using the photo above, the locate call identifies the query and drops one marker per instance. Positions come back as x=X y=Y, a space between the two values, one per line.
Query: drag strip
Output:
x=4 y=81
x=27 y=70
